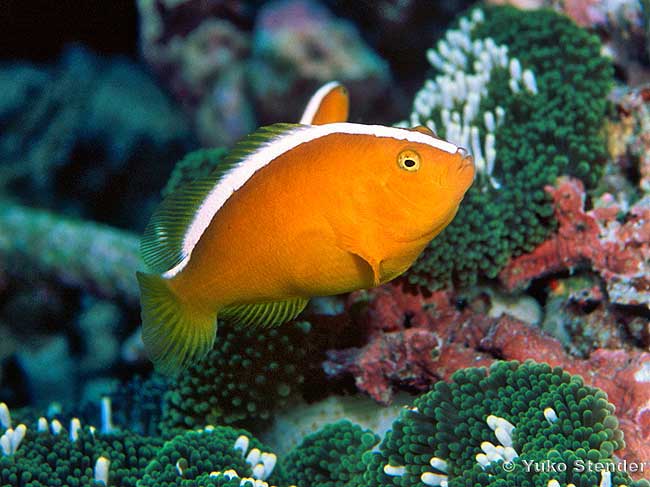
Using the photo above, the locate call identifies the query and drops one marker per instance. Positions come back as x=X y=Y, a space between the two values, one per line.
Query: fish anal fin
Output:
x=175 y=334
x=264 y=315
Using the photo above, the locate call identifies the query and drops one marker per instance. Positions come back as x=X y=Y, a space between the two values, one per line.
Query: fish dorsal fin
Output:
x=182 y=217
x=330 y=104
x=265 y=314
x=423 y=130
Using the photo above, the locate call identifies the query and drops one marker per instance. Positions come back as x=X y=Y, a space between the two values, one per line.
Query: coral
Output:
x=623 y=27
x=404 y=358
x=575 y=312
x=299 y=45
x=467 y=337
x=96 y=325
x=199 y=51
x=97 y=258
x=92 y=120
x=395 y=28
x=188 y=458
x=249 y=374
x=330 y=457
x=48 y=455
x=194 y=165
x=50 y=370
x=525 y=92
x=612 y=242
x=629 y=133
x=232 y=73
x=469 y=431
x=622 y=374
x=412 y=342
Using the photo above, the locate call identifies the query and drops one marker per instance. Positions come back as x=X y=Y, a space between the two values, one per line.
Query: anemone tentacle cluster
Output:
x=47 y=454
x=477 y=430
x=247 y=375
x=214 y=456
x=450 y=104
x=331 y=457
x=533 y=413
x=525 y=93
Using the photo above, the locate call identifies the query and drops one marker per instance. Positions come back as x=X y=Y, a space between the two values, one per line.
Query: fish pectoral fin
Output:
x=354 y=246
x=375 y=265
x=264 y=315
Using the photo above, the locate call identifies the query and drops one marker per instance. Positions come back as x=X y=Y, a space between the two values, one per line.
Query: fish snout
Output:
x=466 y=170
x=466 y=158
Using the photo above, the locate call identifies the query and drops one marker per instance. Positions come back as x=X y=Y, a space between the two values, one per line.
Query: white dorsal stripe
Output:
x=316 y=100
x=266 y=153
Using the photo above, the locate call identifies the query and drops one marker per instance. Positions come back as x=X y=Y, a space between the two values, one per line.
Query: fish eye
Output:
x=409 y=160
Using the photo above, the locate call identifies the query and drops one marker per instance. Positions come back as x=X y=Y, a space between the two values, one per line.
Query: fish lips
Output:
x=466 y=168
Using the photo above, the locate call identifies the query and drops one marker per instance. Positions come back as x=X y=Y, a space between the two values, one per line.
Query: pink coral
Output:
x=620 y=252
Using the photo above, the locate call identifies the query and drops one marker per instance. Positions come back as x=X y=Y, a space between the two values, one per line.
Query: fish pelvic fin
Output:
x=264 y=315
x=175 y=333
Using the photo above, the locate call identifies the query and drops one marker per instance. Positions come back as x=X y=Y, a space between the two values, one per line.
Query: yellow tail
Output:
x=174 y=332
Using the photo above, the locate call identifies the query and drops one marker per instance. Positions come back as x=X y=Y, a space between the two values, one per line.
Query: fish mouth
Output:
x=466 y=162
x=466 y=158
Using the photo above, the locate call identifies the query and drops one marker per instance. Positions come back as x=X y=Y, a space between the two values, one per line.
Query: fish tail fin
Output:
x=175 y=333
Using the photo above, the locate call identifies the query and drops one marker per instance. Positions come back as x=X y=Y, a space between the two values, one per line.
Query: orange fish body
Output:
x=288 y=234
x=303 y=211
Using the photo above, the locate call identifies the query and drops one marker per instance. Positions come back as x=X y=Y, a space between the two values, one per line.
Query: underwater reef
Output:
x=520 y=338
x=72 y=132
x=484 y=427
x=526 y=92
x=233 y=72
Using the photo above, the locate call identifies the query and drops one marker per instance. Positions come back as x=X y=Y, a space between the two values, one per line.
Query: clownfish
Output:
x=294 y=211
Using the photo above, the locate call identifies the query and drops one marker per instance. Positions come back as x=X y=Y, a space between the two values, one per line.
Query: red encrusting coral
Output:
x=415 y=341
x=412 y=341
x=618 y=250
